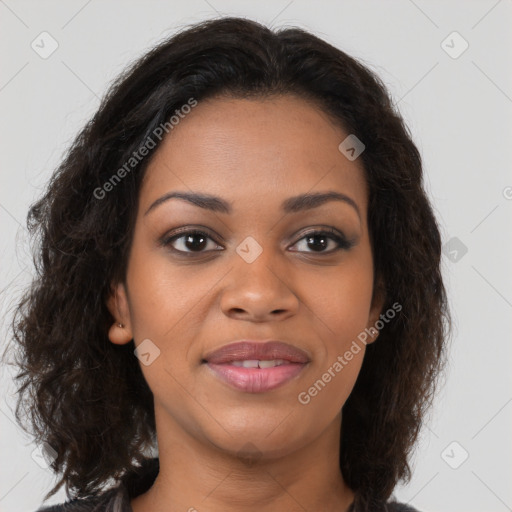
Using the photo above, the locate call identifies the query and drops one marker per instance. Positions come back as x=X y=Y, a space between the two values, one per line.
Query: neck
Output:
x=196 y=475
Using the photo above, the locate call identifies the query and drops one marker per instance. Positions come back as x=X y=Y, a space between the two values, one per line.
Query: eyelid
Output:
x=342 y=241
x=185 y=230
x=175 y=234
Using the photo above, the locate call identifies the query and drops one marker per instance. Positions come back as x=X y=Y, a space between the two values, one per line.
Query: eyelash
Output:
x=331 y=233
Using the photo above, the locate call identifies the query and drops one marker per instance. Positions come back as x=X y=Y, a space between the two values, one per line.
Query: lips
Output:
x=263 y=351
x=256 y=367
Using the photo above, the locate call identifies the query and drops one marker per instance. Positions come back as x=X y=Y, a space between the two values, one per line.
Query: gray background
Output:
x=459 y=112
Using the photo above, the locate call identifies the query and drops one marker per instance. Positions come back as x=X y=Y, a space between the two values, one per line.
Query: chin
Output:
x=259 y=439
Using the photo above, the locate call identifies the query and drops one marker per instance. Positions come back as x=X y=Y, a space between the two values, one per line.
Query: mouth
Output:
x=256 y=367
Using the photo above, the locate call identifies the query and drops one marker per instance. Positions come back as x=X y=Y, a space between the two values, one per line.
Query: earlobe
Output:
x=119 y=334
x=120 y=331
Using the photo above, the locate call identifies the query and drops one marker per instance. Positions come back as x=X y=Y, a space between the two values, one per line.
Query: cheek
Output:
x=327 y=392
x=163 y=307
x=160 y=296
x=168 y=306
x=341 y=302
x=341 y=305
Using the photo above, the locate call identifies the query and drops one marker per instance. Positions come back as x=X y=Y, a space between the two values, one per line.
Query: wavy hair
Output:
x=87 y=397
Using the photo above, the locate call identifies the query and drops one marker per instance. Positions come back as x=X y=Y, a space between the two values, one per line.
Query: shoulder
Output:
x=111 y=501
x=116 y=499
x=395 y=506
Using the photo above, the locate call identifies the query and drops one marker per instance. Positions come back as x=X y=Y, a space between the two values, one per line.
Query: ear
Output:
x=120 y=331
x=378 y=299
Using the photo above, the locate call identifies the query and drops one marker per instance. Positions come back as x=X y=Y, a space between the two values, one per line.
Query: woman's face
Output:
x=256 y=273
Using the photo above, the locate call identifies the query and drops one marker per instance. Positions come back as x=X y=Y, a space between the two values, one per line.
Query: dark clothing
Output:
x=133 y=484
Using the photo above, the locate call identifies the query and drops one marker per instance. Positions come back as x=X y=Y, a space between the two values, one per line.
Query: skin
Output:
x=253 y=153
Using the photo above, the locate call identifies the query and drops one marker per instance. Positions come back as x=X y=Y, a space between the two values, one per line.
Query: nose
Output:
x=260 y=291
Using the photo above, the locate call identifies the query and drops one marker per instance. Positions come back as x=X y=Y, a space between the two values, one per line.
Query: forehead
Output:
x=241 y=149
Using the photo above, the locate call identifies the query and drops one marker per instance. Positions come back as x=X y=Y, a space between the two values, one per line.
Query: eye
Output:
x=194 y=241
x=320 y=240
x=191 y=241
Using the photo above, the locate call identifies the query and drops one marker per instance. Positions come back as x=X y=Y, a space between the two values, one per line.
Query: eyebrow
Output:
x=291 y=205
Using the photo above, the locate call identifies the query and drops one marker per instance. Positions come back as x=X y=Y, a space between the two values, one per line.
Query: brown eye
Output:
x=192 y=241
x=319 y=241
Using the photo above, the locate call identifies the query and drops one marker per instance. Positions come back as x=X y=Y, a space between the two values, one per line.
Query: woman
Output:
x=238 y=268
